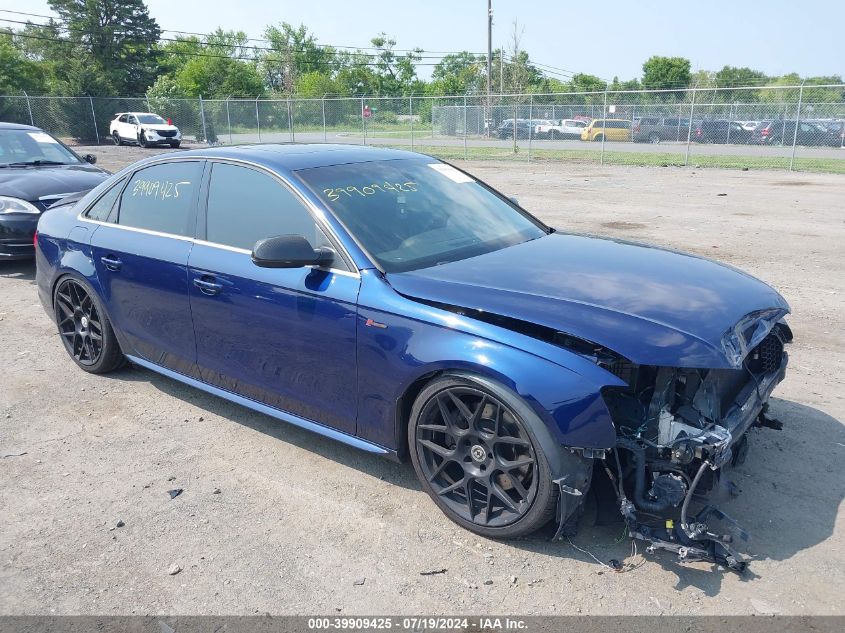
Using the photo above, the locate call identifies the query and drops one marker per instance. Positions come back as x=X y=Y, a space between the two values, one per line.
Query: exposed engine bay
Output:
x=677 y=430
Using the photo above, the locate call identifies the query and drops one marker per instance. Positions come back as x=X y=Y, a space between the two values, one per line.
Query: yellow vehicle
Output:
x=609 y=129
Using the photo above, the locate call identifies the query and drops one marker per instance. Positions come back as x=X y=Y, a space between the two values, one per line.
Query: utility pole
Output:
x=489 y=114
x=489 y=48
x=502 y=70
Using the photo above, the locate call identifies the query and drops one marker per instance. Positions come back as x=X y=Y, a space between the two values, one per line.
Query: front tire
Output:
x=84 y=328
x=142 y=140
x=478 y=459
x=653 y=138
x=175 y=144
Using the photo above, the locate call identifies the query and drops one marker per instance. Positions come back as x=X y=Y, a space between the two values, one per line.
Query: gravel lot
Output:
x=299 y=518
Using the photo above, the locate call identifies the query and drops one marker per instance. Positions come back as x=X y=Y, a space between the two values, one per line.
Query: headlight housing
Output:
x=16 y=205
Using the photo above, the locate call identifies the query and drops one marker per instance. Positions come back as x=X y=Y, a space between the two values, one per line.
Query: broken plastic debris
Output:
x=433 y=572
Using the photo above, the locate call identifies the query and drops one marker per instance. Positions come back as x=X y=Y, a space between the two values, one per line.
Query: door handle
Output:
x=207 y=287
x=111 y=262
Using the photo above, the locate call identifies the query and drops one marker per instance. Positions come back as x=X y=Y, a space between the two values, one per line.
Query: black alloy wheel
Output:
x=79 y=323
x=115 y=137
x=85 y=331
x=476 y=458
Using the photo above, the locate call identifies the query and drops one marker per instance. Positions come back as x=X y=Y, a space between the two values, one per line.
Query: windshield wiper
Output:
x=36 y=163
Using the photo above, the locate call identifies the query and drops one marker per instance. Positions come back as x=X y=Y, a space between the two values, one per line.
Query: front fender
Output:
x=401 y=343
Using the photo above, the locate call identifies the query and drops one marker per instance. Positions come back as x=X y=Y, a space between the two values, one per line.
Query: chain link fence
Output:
x=787 y=127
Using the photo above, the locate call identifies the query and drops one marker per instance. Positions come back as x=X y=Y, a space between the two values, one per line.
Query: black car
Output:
x=809 y=133
x=523 y=128
x=720 y=131
x=36 y=171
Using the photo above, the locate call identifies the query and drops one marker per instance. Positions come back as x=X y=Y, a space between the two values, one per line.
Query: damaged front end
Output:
x=677 y=429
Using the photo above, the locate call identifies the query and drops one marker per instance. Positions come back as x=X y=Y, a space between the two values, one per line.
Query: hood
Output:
x=651 y=305
x=32 y=183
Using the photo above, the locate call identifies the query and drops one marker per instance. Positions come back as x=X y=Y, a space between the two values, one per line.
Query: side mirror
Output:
x=90 y=158
x=289 y=251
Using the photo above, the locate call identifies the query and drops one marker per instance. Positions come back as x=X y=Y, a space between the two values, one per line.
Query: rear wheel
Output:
x=115 y=137
x=654 y=138
x=478 y=459
x=84 y=328
x=598 y=138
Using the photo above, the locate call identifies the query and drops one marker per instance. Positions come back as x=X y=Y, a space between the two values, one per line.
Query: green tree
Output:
x=218 y=66
x=582 y=82
x=117 y=40
x=17 y=72
x=458 y=73
x=355 y=75
x=395 y=74
x=295 y=53
x=317 y=84
x=666 y=73
x=732 y=76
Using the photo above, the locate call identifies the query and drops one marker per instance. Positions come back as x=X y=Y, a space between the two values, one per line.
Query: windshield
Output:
x=33 y=146
x=151 y=119
x=411 y=214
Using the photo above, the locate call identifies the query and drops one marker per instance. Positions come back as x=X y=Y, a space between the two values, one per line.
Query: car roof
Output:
x=289 y=157
x=18 y=126
x=135 y=113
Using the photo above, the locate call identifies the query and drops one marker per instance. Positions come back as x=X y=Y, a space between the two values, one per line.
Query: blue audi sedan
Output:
x=396 y=303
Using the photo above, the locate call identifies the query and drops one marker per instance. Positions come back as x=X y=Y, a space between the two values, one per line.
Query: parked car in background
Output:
x=541 y=124
x=144 y=128
x=524 y=128
x=720 y=131
x=607 y=129
x=565 y=128
x=392 y=302
x=656 y=129
x=838 y=128
x=783 y=132
x=36 y=171
x=835 y=129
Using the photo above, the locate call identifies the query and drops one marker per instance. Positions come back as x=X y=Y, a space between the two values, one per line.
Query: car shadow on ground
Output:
x=23 y=269
x=791 y=486
x=375 y=466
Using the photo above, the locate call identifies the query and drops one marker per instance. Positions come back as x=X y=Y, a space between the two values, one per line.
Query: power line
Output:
x=255 y=39
x=336 y=63
x=546 y=69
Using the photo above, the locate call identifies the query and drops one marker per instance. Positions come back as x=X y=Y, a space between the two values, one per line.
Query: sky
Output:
x=607 y=39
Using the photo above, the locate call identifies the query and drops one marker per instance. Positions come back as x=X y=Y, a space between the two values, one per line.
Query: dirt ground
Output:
x=298 y=518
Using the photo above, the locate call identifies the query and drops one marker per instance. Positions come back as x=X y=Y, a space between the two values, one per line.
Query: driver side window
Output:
x=246 y=205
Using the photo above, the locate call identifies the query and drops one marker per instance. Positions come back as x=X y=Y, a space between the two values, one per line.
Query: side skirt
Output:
x=334 y=434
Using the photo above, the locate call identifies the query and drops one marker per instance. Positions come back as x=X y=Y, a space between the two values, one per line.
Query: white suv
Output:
x=144 y=128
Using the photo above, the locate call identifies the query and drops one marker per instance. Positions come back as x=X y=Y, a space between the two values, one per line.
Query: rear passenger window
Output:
x=245 y=205
x=160 y=198
x=101 y=209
